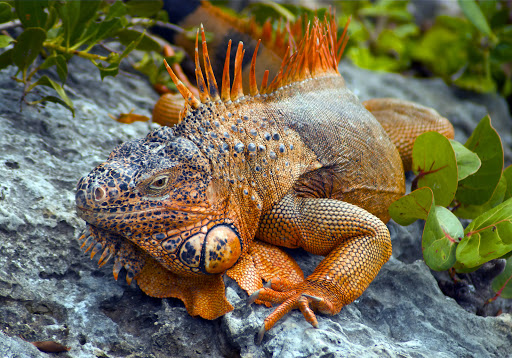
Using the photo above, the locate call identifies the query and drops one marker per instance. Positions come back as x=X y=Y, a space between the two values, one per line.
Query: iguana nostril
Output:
x=99 y=194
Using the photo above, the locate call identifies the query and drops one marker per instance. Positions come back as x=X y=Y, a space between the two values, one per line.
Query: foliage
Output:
x=467 y=181
x=472 y=51
x=55 y=31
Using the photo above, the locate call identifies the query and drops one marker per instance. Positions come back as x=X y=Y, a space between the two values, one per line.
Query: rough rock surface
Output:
x=49 y=290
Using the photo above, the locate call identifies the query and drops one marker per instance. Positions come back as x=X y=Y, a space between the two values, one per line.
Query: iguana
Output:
x=298 y=162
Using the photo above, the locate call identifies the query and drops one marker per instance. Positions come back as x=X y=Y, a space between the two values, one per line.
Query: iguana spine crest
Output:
x=317 y=55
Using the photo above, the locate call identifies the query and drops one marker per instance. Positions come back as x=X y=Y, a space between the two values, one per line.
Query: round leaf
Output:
x=503 y=282
x=433 y=160
x=467 y=162
x=472 y=211
x=6 y=13
x=487 y=237
x=28 y=46
x=411 y=207
x=486 y=143
x=507 y=173
x=440 y=237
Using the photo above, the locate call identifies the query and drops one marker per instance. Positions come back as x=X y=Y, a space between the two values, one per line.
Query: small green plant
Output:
x=55 y=31
x=461 y=181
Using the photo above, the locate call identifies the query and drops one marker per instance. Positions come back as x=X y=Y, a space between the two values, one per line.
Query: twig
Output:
x=10 y=25
x=87 y=55
x=166 y=25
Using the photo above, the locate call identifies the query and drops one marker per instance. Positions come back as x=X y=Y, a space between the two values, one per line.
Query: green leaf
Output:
x=48 y=82
x=107 y=28
x=53 y=16
x=486 y=143
x=411 y=207
x=110 y=70
x=147 y=43
x=87 y=13
x=88 y=10
x=60 y=62
x=28 y=46
x=467 y=162
x=433 y=160
x=116 y=10
x=507 y=173
x=362 y=57
x=487 y=237
x=6 y=58
x=269 y=9
x=472 y=211
x=440 y=237
x=450 y=37
x=69 y=12
x=144 y=8
x=6 y=13
x=131 y=46
x=31 y=12
x=56 y=100
x=503 y=282
x=474 y=14
x=502 y=52
x=478 y=82
x=5 y=40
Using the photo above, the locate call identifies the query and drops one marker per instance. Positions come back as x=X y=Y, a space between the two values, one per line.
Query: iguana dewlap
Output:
x=299 y=162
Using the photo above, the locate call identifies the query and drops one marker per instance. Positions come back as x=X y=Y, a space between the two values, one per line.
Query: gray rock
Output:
x=50 y=290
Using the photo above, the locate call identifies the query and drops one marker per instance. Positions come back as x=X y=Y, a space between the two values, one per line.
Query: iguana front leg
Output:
x=354 y=242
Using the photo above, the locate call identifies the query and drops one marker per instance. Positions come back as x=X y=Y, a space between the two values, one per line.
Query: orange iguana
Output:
x=298 y=162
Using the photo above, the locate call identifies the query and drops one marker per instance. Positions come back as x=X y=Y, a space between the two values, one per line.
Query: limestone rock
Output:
x=50 y=290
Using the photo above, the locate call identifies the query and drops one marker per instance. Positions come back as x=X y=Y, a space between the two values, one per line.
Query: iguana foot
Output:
x=305 y=296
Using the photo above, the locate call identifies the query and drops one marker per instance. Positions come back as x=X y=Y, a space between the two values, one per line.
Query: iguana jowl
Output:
x=296 y=163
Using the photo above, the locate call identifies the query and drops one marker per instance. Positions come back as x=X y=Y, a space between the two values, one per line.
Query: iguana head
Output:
x=158 y=193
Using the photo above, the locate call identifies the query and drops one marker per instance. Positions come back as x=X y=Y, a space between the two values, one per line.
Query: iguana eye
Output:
x=159 y=182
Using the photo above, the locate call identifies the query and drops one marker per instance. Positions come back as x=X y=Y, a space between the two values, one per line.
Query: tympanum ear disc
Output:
x=222 y=249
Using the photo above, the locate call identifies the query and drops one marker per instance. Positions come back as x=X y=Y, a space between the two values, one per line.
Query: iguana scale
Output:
x=298 y=162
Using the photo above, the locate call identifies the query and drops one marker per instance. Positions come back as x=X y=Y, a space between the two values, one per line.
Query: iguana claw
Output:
x=261 y=333
x=253 y=297
x=314 y=298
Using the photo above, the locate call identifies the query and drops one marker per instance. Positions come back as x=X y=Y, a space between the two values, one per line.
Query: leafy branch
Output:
x=461 y=181
x=55 y=31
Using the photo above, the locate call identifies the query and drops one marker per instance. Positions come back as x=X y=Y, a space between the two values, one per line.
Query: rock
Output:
x=50 y=290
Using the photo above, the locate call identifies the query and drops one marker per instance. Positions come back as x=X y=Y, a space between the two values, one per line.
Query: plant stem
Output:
x=10 y=25
x=87 y=55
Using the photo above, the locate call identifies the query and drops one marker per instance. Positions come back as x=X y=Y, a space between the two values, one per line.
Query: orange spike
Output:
x=264 y=81
x=210 y=77
x=190 y=99
x=291 y=39
x=253 y=87
x=304 y=70
x=226 y=82
x=201 y=86
x=266 y=32
x=344 y=39
x=237 y=90
x=279 y=41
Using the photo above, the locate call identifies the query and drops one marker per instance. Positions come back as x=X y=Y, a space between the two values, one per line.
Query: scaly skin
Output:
x=301 y=164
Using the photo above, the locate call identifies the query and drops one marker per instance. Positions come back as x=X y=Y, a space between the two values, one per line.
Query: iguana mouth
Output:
x=99 y=216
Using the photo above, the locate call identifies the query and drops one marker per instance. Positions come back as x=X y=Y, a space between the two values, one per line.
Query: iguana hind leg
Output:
x=354 y=242
x=404 y=121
